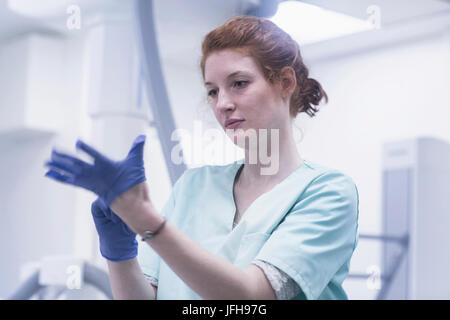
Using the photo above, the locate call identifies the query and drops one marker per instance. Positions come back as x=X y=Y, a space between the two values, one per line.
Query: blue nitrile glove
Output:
x=117 y=241
x=106 y=178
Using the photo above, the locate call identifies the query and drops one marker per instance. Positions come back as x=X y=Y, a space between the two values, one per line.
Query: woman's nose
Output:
x=224 y=101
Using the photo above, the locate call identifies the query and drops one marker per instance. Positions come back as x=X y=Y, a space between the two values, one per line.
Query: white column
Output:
x=115 y=113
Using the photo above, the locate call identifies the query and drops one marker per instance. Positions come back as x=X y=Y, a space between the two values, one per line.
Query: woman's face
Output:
x=237 y=89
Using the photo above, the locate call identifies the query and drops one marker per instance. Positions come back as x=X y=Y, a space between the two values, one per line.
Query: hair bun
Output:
x=311 y=94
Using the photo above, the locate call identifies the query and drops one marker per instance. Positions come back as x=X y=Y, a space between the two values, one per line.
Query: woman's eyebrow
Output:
x=236 y=73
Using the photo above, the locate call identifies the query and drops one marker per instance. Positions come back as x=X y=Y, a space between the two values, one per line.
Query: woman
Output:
x=232 y=231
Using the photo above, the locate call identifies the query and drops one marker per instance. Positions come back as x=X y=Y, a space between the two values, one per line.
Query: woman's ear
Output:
x=288 y=81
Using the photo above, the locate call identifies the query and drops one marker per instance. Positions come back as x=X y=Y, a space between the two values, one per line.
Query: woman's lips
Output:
x=234 y=124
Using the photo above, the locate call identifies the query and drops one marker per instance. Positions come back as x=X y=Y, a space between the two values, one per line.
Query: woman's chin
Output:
x=240 y=136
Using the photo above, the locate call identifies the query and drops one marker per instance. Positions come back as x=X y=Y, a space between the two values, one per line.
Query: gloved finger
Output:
x=89 y=150
x=68 y=158
x=126 y=229
x=100 y=209
x=97 y=209
x=137 y=149
x=114 y=217
x=108 y=212
x=72 y=169
x=58 y=176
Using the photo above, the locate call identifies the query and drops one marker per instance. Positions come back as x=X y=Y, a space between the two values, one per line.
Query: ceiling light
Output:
x=308 y=23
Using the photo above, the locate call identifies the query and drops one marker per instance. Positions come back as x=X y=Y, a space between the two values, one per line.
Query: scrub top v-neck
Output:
x=240 y=166
x=307 y=226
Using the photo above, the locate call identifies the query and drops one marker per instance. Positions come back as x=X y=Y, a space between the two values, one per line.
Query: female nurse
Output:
x=246 y=230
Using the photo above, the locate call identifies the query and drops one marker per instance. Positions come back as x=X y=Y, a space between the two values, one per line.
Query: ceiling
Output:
x=181 y=24
x=170 y=14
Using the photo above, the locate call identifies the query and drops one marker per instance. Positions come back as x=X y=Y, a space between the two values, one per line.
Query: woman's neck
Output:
x=283 y=161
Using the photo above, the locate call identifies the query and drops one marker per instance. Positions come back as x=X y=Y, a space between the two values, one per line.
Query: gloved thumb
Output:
x=100 y=210
x=137 y=149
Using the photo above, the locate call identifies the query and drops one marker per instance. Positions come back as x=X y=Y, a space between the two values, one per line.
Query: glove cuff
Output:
x=113 y=193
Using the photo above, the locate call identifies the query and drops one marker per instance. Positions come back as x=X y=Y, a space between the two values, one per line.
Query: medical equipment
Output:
x=416 y=220
x=59 y=275
x=416 y=180
x=155 y=85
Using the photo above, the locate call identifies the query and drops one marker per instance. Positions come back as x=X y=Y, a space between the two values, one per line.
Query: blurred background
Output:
x=108 y=70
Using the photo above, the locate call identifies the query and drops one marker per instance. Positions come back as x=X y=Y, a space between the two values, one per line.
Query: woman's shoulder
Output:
x=325 y=176
x=328 y=188
x=328 y=181
x=323 y=170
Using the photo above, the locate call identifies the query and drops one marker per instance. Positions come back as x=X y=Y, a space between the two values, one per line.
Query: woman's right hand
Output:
x=117 y=241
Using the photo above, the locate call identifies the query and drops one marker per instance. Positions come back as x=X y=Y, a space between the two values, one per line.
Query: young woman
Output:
x=232 y=231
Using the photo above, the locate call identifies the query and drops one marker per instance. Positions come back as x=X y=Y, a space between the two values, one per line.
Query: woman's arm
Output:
x=128 y=281
x=210 y=276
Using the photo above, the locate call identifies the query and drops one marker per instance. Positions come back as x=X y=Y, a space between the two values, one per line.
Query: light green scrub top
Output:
x=307 y=226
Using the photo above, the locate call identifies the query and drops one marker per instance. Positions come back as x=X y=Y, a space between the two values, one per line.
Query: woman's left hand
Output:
x=106 y=178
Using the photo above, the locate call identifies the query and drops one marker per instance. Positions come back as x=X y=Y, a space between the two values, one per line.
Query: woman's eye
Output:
x=240 y=82
x=211 y=92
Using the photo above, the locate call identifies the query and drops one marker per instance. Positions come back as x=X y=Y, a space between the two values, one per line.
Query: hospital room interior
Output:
x=106 y=71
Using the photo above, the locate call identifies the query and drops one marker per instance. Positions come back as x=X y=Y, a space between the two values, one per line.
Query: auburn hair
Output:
x=273 y=49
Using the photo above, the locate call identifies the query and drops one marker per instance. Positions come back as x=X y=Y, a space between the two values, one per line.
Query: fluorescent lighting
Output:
x=308 y=24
